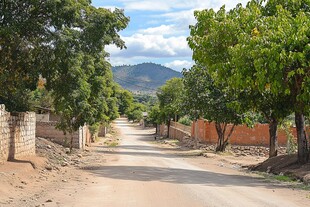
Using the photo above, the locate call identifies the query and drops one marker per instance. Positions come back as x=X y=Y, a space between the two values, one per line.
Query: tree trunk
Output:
x=168 y=126
x=273 y=138
x=220 y=144
x=303 y=150
x=221 y=131
x=71 y=141
x=156 y=127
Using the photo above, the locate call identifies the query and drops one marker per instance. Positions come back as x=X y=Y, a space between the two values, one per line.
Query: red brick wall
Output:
x=242 y=135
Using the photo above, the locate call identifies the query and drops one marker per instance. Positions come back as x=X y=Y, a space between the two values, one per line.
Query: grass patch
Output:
x=111 y=144
x=283 y=178
x=272 y=177
x=289 y=181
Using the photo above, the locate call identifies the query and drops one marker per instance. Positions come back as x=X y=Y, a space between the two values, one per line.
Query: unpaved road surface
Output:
x=140 y=173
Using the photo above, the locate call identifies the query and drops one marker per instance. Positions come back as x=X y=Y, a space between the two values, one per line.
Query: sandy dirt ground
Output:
x=140 y=172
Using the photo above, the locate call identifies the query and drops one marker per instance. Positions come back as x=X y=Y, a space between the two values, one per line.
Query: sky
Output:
x=158 y=30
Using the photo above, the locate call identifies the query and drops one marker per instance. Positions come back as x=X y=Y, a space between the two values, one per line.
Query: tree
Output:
x=125 y=101
x=21 y=34
x=155 y=116
x=287 y=27
x=64 y=42
x=278 y=49
x=207 y=100
x=227 y=43
x=134 y=113
x=169 y=97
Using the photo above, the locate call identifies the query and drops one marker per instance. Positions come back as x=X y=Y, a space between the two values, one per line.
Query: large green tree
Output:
x=261 y=49
x=170 y=101
x=287 y=27
x=207 y=100
x=134 y=112
x=155 y=116
x=125 y=101
x=64 y=42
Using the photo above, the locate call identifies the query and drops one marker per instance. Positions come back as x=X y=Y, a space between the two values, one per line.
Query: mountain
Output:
x=143 y=78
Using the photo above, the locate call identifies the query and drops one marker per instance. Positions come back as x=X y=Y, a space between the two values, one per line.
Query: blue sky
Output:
x=158 y=30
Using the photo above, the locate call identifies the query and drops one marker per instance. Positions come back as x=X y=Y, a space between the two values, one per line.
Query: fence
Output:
x=48 y=130
x=17 y=134
x=242 y=135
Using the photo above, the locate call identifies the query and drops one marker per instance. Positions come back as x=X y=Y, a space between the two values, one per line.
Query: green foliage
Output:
x=20 y=100
x=291 y=146
x=145 y=99
x=203 y=98
x=283 y=178
x=260 y=57
x=185 y=120
x=169 y=97
x=206 y=99
x=134 y=113
x=64 y=42
x=41 y=98
x=155 y=115
x=94 y=129
x=125 y=101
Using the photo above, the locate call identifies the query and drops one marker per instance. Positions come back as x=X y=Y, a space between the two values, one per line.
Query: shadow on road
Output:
x=174 y=175
x=138 y=153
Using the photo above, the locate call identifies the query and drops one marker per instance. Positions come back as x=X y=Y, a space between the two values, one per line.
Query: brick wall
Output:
x=48 y=130
x=17 y=134
x=242 y=135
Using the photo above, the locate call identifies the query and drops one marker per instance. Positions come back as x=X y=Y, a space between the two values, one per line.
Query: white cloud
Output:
x=111 y=8
x=162 y=30
x=153 y=46
x=178 y=65
x=167 y=39
x=147 y=5
x=181 y=19
x=164 y=5
x=115 y=61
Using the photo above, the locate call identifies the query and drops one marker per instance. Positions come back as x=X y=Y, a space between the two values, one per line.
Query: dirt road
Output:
x=139 y=173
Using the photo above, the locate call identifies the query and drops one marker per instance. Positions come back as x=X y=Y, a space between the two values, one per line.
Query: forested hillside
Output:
x=145 y=77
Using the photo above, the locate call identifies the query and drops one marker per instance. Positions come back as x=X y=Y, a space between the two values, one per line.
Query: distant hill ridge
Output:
x=144 y=77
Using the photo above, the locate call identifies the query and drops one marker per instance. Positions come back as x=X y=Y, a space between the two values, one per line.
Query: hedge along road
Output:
x=138 y=173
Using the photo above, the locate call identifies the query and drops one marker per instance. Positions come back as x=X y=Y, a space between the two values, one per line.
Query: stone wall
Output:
x=48 y=130
x=17 y=134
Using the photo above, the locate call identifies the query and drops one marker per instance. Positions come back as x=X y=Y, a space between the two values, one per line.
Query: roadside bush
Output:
x=185 y=120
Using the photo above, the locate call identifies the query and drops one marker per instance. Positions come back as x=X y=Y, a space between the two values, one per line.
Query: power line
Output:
x=144 y=87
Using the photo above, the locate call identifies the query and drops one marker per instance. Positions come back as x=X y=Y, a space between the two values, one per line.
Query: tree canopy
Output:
x=262 y=50
x=64 y=42
x=203 y=98
x=170 y=100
